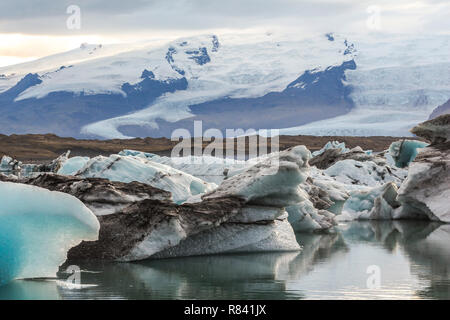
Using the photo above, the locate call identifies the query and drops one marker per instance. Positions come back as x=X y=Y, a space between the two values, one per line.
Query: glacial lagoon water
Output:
x=411 y=260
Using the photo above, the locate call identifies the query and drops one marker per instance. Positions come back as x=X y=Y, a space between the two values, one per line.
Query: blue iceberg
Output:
x=405 y=151
x=37 y=229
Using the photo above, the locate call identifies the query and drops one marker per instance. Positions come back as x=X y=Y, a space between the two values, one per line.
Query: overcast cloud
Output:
x=122 y=20
x=112 y=16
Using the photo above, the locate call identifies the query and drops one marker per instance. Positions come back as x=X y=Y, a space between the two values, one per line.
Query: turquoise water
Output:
x=412 y=261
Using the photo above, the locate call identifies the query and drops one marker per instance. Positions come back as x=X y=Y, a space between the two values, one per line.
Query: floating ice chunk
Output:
x=251 y=214
x=367 y=173
x=360 y=202
x=37 y=228
x=426 y=191
x=207 y=168
x=9 y=164
x=332 y=145
x=72 y=165
x=274 y=181
x=336 y=191
x=135 y=153
x=371 y=203
x=130 y=168
x=233 y=238
x=305 y=218
x=405 y=151
x=386 y=205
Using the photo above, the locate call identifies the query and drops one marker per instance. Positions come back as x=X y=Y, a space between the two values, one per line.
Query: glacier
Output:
x=200 y=80
x=37 y=228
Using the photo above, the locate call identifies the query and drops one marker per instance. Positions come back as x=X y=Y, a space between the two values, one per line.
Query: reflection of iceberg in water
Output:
x=253 y=276
x=29 y=290
x=431 y=262
x=317 y=248
x=425 y=244
x=210 y=277
x=413 y=257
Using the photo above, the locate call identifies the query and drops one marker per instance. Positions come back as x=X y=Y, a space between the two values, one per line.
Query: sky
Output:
x=30 y=29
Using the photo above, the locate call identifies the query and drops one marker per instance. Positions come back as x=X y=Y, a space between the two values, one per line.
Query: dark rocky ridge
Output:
x=132 y=225
x=331 y=156
x=100 y=195
x=39 y=148
x=442 y=109
x=436 y=130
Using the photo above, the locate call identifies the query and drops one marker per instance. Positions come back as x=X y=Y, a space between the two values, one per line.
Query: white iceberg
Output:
x=37 y=228
x=136 y=153
x=426 y=191
x=304 y=217
x=208 y=168
x=134 y=168
x=332 y=145
x=371 y=203
x=72 y=165
x=337 y=192
x=274 y=181
x=365 y=173
x=232 y=238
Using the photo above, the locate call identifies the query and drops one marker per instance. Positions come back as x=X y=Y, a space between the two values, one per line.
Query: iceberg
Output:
x=304 y=217
x=72 y=165
x=208 y=168
x=136 y=153
x=332 y=155
x=378 y=203
x=37 y=228
x=9 y=164
x=424 y=193
x=426 y=190
x=332 y=145
x=244 y=214
x=101 y=196
x=147 y=227
x=274 y=181
x=134 y=168
x=367 y=173
x=237 y=238
x=53 y=166
x=405 y=151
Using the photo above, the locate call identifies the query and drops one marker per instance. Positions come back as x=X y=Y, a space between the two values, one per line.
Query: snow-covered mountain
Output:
x=324 y=85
